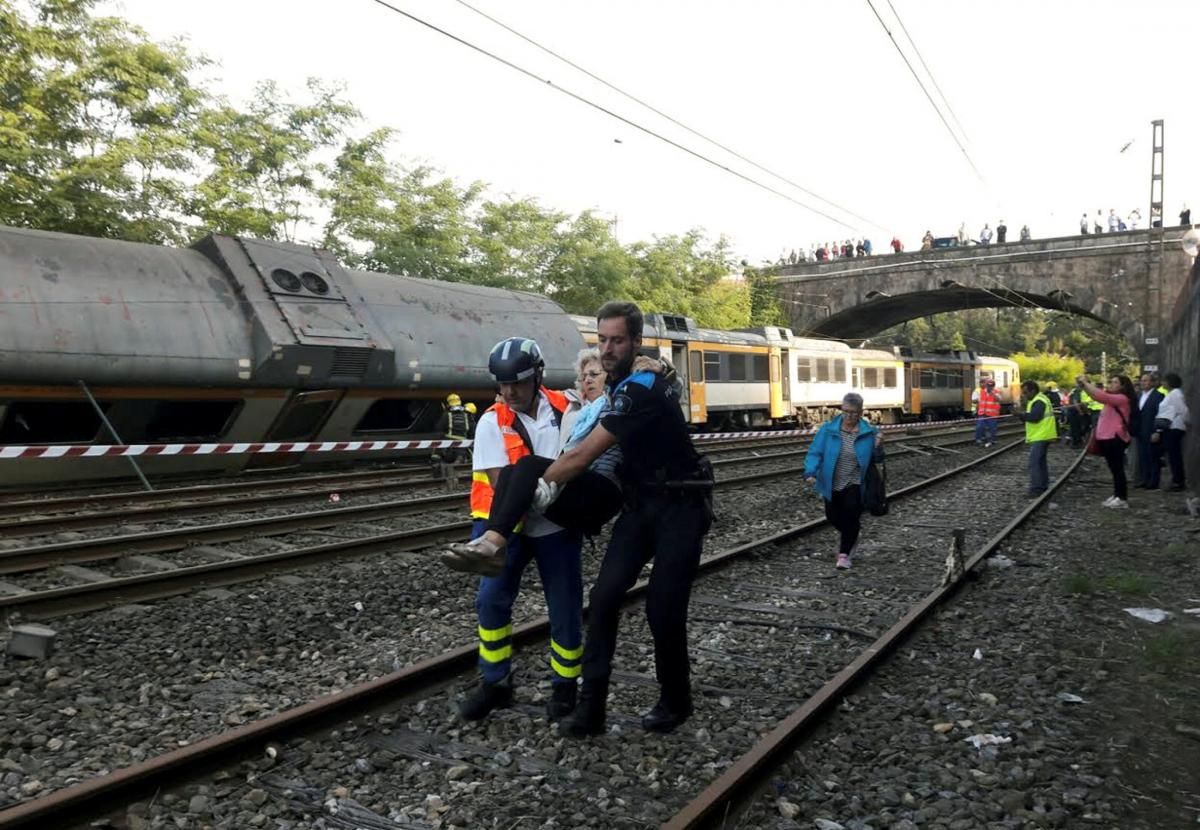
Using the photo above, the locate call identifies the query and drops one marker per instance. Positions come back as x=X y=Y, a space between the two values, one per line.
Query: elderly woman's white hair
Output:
x=585 y=356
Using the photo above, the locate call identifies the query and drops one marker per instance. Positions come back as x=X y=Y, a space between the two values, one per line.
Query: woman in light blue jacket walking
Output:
x=837 y=463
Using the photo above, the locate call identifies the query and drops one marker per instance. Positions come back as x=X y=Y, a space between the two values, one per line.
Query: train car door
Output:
x=697 y=409
x=968 y=387
x=679 y=359
x=299 y=420
x=912 y=389
x=785 y=384
x=775 y=383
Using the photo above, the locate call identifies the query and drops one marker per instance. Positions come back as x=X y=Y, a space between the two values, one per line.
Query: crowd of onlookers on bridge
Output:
x=852 y=248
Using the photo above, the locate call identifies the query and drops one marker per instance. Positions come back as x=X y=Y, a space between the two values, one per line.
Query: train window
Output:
x=51 y=422
x=856 y=377
x=301 y=421
x=712 y=367
x=696 y=367
x=761 y=369
x=839 y=371
x=927 y=379
x=871 y=378
x=823 y=370
x=189 y=420
x=889 y=377
x=737 y=366
x=391 y=415
x=804 y=369
x=1006 y=381
x=940 y=380
x=956 y=381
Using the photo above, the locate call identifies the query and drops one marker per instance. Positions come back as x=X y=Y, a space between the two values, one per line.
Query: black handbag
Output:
x=875 y=489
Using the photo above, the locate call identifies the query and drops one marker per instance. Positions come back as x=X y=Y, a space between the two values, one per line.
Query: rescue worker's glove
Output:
x=544 y=495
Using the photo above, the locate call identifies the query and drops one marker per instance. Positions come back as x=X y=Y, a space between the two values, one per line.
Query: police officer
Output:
x=668 y=509
x=525 y=421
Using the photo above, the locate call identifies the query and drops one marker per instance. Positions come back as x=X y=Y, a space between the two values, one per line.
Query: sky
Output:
x=1046 y=93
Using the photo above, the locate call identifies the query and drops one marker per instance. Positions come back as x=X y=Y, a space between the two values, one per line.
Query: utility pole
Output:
x=1156 y=174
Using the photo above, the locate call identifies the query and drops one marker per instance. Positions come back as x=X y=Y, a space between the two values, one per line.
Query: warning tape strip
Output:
x=110 y=450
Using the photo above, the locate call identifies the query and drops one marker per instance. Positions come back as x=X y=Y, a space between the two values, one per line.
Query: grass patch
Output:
x=1079 y=584
x=1170 y=650
x=1134 y=584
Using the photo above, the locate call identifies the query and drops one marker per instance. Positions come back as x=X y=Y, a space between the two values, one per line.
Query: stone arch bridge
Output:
x=1129 y=280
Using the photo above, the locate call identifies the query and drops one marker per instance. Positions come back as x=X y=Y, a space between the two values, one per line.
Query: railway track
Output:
x=94 y=796
x=22 y=506
x=217 y=567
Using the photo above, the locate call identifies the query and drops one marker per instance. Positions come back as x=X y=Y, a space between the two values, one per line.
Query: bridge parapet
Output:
x=1128 y=279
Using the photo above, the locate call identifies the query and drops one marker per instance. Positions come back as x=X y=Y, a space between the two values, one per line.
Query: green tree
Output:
x=678 y=274
x=589 y=266
x=383 y=218
x=263 y=163
x=765 y=308
x=94 y=124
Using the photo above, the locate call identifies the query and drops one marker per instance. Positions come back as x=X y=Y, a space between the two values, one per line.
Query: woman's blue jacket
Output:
x=827 y=443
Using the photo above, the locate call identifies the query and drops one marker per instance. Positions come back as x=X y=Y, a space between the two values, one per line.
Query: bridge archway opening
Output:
x=880 y=311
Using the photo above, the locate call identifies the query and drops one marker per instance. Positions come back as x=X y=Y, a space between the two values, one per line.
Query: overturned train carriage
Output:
x=236 y=340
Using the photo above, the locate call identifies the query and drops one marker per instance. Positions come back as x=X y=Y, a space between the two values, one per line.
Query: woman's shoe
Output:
x=478 y=556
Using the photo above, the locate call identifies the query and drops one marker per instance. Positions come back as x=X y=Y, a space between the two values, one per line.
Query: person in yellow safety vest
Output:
x=1081 y=410
x=526 y=421
x=987 y=413
x=1041 y=431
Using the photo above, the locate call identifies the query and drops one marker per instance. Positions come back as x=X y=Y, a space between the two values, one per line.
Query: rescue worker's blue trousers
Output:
x=985 y=429
x=558 y=558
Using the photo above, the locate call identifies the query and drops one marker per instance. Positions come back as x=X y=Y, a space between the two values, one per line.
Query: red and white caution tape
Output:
x=111 y=450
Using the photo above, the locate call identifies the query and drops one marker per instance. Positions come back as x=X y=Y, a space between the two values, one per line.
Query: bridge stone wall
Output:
x=1129 y=280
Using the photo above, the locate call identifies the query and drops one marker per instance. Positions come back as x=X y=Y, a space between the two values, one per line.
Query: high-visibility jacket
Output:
x=1045 y=429
x=1091 y=403
x=988 y=405
x=514 y=446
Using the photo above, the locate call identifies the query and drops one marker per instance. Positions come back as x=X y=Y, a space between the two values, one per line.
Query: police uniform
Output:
x=668 y=509
x=498 y=442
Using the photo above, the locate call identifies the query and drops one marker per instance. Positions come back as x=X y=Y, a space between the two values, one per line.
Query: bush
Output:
x=1042 y=368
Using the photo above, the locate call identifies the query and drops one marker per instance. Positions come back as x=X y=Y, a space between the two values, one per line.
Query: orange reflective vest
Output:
x=988 y=404
x=514 y=446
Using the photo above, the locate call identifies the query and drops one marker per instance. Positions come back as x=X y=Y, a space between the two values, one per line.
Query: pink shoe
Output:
x=843 y=561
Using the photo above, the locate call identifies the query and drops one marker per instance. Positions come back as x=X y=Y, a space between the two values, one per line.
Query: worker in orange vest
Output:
x=525 y=421
x=987 y=413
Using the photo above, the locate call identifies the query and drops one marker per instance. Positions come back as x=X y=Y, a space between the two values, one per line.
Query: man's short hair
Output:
x=1030 y=386
x=622 y=308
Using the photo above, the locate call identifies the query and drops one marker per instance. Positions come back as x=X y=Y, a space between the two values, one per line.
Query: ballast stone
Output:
x=32 y=640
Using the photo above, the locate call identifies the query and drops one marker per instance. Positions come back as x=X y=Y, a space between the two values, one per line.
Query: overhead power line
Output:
x=629 y=122
x=660 y=113
x=929 y=97
x=928 y=72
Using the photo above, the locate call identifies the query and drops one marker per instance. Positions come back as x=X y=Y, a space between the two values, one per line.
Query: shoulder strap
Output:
x=519 y=427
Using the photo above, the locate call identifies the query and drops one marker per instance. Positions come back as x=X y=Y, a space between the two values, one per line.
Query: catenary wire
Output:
x=600 y=108
x=921 y=84
x=928 y=72
x=670 y=118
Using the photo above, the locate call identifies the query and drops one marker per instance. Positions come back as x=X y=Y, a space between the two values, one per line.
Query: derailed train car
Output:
x=236 y=340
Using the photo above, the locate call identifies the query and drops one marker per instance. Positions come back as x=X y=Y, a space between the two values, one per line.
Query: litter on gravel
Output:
x=1150 y=615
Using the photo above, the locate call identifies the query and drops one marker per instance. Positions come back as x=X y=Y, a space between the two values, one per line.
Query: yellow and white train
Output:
x=763 y=377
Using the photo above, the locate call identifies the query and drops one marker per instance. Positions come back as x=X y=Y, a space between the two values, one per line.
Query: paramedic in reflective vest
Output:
x=1040 y=432
x=668 y=509
x=525 y=421
x=987 y=412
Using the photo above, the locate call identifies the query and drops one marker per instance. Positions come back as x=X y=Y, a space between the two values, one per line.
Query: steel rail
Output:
x=97 y=795
x=71 y=503
x=73 y=599
x=747 y=775
x=36 y=557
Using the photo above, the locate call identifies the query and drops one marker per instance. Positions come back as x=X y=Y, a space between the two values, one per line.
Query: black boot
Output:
x=668 y=713
x=562 y=700
x=589 y=714
x=486 y=697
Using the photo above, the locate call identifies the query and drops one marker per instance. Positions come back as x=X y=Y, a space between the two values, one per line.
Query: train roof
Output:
x=874 y=354
x=245 y=312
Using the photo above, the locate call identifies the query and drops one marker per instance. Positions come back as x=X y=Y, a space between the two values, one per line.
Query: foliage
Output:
x=94 y=120
x=1042 y=368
